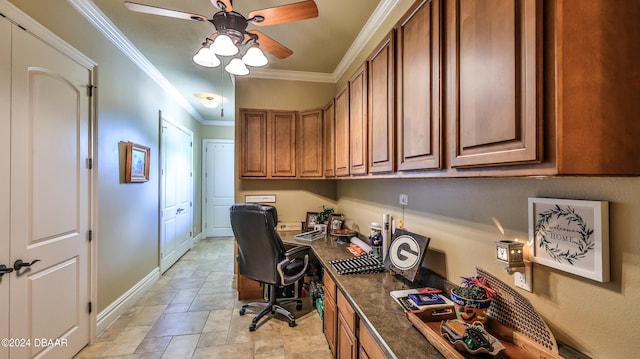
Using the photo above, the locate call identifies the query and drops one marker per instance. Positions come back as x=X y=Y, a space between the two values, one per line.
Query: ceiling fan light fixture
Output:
x=205 y=57
x=255 y=57
x=237 y=67
x=223 y=46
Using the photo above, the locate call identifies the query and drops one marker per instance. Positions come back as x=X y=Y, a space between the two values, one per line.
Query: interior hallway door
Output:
x=50 y=200
x=176 y=194
x=219 y=178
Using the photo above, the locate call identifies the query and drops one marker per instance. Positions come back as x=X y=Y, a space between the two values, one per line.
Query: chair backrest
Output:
x=260 y=248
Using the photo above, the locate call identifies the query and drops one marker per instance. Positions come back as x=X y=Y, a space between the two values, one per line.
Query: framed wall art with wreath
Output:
x=571 y=235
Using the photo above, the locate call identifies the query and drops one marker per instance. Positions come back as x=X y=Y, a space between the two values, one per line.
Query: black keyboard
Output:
x=358 y=265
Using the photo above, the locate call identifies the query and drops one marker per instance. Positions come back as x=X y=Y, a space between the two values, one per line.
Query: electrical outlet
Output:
x=404 y=199
x=523 y=278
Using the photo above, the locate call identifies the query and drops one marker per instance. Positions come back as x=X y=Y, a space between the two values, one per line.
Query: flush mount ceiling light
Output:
x=232 y=39
x=208 y=100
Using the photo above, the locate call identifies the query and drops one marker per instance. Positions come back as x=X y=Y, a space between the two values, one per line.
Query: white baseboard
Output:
x=197 y=238
x=109 y=315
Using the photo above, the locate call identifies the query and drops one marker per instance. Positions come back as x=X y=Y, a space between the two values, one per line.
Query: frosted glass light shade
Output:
x=223 y=46
x=237 y=67
x=209 y=102
x=205 y=57
x=255 y=57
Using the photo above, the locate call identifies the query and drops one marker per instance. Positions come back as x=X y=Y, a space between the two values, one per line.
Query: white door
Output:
x=50 y=200
x=219 y=186
x=5 y=151
x=176 y=153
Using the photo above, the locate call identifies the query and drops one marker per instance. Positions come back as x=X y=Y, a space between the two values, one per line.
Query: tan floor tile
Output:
x=268 y=347
x=127 y=341
x=218 y=320
x=94 y=350
x=147 y=315
x=181 y=346
x=179 y=324
x=153 y=345
x=212 y=339
x=235 y=351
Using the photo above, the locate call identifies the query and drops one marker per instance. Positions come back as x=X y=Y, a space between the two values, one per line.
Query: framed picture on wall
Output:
x=571 y=235
x=137 y=165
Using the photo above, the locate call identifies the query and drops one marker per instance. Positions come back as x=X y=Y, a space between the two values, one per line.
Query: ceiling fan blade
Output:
x=285 y=13
x=272 y=46
x=224 y=5
x=146 y=9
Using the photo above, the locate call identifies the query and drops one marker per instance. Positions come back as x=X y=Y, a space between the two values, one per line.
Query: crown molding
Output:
x=101 y=22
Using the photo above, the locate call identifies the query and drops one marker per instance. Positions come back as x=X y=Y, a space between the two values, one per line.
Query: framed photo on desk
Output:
x=312 y=220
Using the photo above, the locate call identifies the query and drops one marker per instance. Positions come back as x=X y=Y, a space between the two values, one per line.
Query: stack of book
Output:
x=420 y=298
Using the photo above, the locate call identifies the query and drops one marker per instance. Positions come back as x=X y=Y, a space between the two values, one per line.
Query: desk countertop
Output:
x=369 y=296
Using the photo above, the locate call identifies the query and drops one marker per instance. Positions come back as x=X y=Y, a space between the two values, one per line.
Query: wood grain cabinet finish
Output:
x=330 y=318
x=368 y=349
x=347 y=338
x=493 y=52
x=253 y=147
x=282 y=134
x=381 y=107
x=418 y=84
x=310 y=144
x=358 y=122
x=329 y=139
x=268 y=143
x=342 y=131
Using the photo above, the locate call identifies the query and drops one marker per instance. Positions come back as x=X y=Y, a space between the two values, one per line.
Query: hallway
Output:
x=192 y=312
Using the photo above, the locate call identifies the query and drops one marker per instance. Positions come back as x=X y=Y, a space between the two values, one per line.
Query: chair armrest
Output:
x=296 y=252
x=290 y=255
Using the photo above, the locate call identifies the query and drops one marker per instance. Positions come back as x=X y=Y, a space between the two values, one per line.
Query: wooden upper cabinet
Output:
x=381 y=106
x=282 y=134
x=329 y=139
x=253 y=147
x=419 y=103
x=358 y=121
x=268 y=143
x=310 y=144
x=342 y=131
x=493 y=52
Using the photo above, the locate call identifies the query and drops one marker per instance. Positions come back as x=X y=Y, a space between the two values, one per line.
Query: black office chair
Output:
x=263 y=258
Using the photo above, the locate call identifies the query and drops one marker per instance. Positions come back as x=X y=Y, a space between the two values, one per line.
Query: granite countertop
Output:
x=369 y=295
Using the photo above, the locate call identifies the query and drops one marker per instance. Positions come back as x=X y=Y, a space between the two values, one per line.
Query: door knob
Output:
x=179 y=210
x=19 y=264
x=4 y=270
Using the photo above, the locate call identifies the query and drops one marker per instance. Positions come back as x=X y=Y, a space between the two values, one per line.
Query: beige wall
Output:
x=218 y=132
x=458 y=215
x=293 y=198
x=128 y=105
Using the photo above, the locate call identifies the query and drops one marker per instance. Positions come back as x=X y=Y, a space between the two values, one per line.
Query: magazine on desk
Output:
x=415 y=299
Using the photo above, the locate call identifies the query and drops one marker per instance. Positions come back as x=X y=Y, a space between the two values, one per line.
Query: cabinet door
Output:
x=419 y=143
x=253 y=147
x=358 y=121
x=329 y=148
x=342 y=131
x=310 y=144
x=330 y=321
x=381 y=107
x=282 y=135
x=347 y=345
x=493 y=111
x=249 y=289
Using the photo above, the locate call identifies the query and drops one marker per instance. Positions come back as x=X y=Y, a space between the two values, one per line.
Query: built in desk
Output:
x=369 y=296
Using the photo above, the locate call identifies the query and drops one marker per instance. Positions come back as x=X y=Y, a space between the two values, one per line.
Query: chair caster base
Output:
x=292 y=324
x=243 y=311
x=299 y=306
x=252 y=327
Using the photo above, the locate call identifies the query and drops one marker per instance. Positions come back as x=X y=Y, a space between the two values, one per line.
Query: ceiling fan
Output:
x=232 y=34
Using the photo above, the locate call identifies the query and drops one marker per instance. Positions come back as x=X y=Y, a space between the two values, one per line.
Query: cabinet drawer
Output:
x=329 y=286
x=347 y=312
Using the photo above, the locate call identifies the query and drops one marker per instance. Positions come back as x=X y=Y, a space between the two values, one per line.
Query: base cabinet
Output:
x=330 y=318
x=367 y=347
x=347 y=344
x=249 y=289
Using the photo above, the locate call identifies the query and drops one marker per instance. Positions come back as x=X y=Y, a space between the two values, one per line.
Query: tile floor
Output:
x=192 y=312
